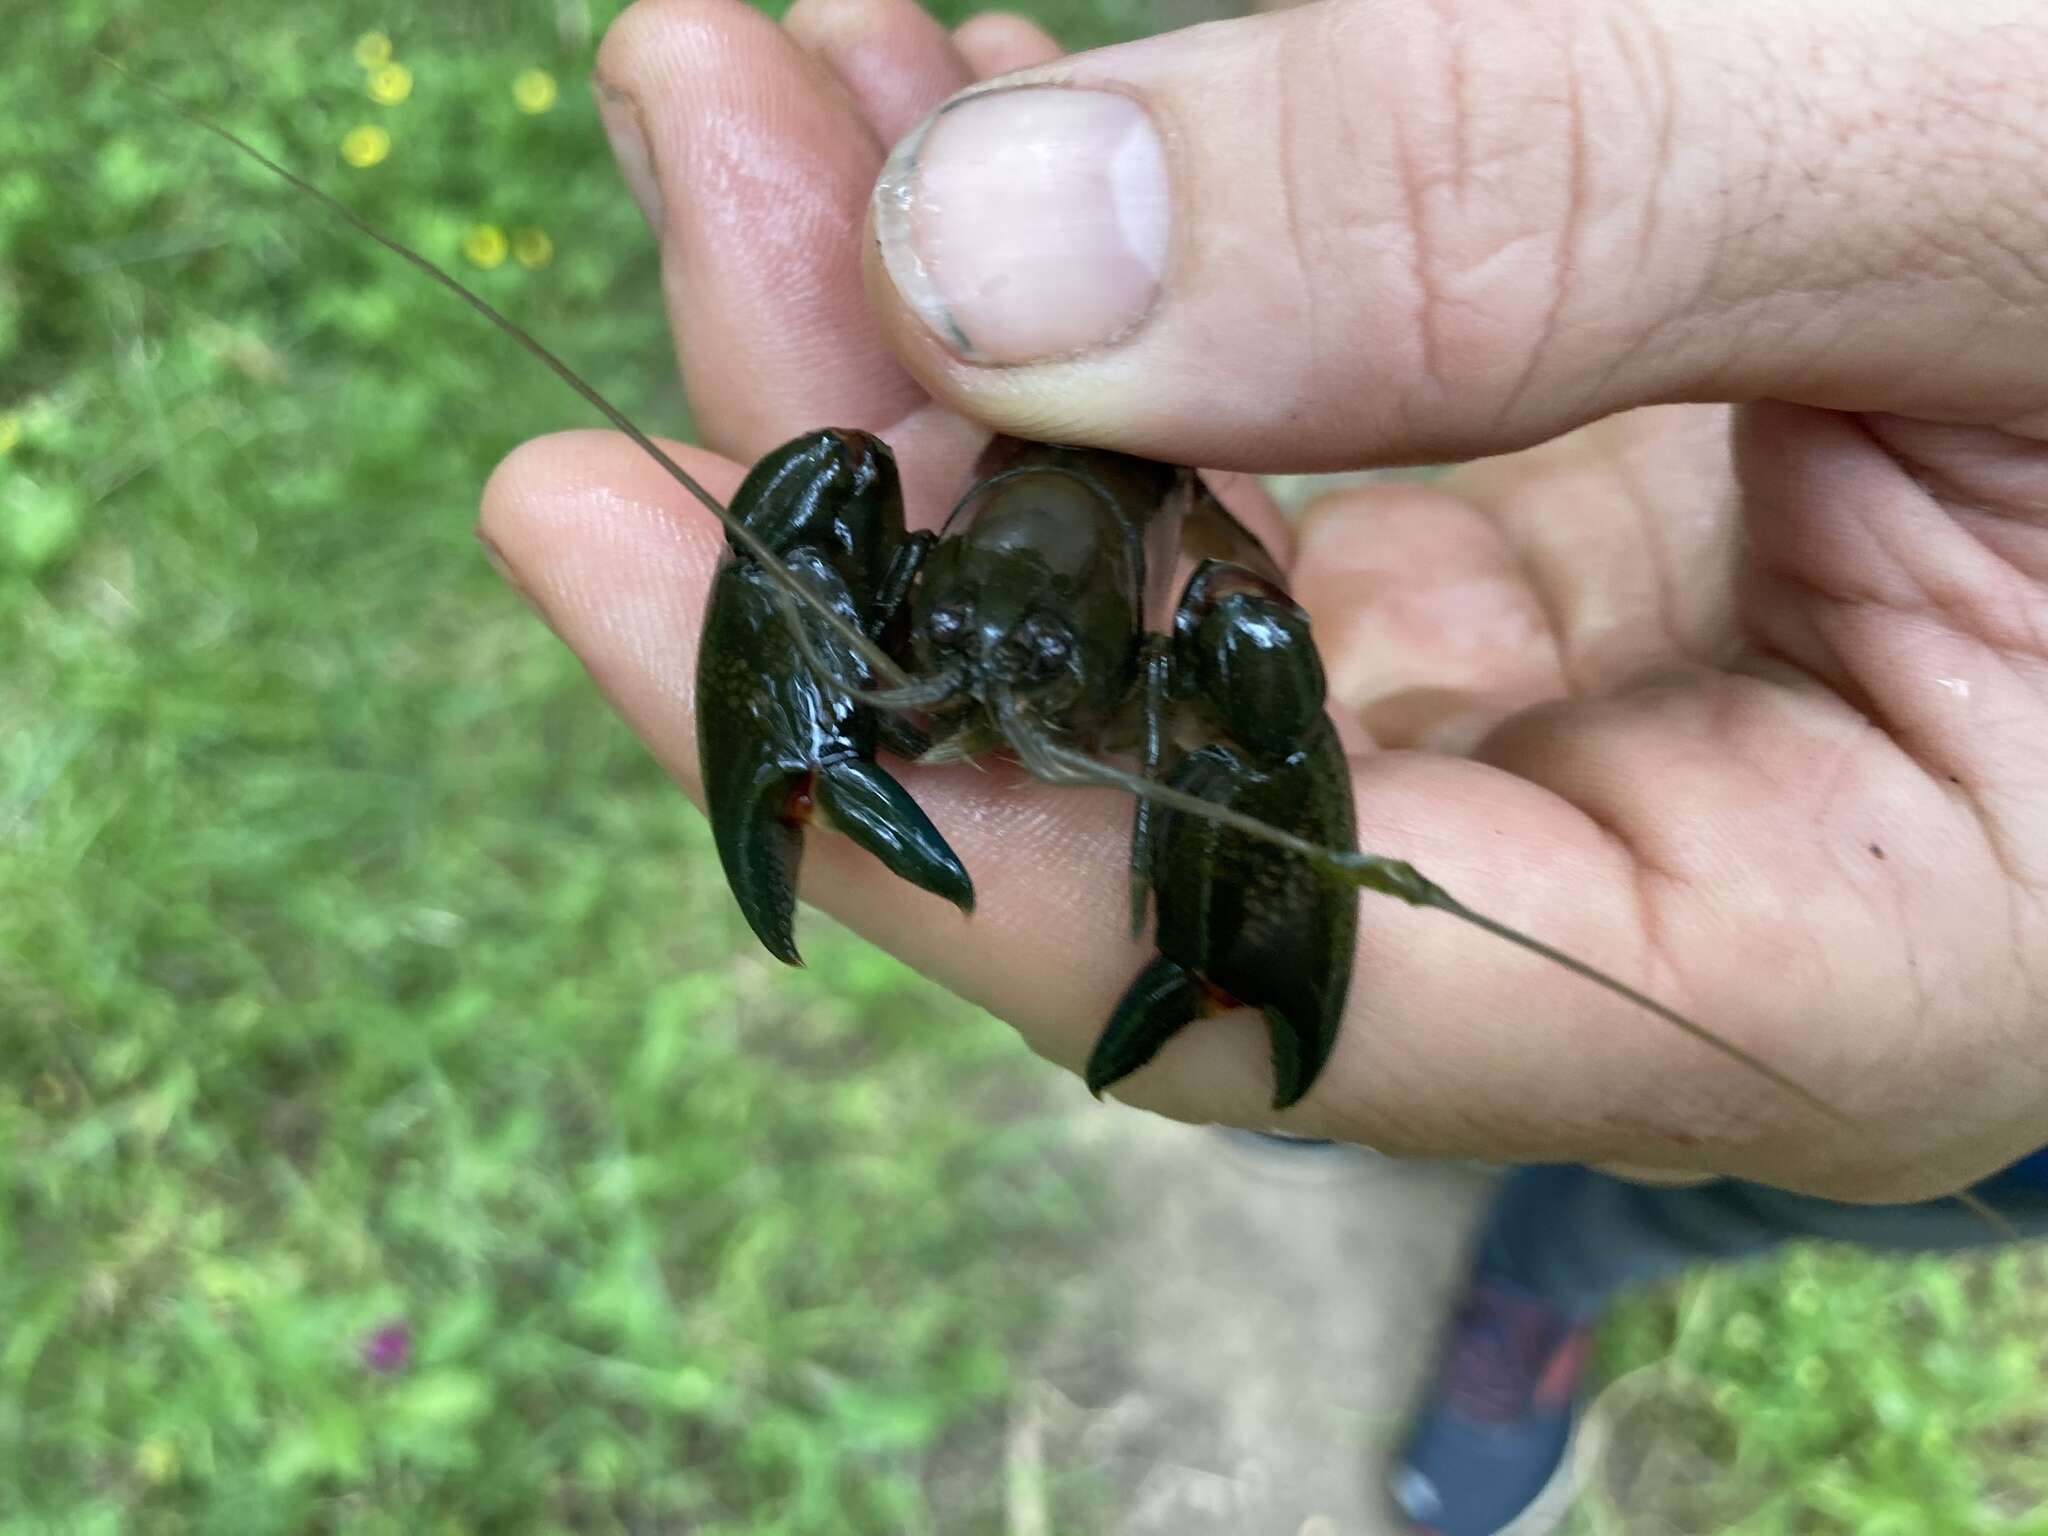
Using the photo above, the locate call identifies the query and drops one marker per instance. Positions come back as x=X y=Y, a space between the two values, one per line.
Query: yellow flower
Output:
x=1811 y=1374
x=534 y=90
x=365 y=146
x=532 y=248
x=484 y=245
x=373 y=49
x=389 y=84
x=157 y=1460
x=10 y=432
x=1745 y=1330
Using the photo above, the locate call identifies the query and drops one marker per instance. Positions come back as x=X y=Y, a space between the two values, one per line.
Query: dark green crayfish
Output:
x=1024 y=625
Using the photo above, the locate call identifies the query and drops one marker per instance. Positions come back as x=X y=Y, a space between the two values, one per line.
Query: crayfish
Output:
x=1024 y=623
x=1032 y=623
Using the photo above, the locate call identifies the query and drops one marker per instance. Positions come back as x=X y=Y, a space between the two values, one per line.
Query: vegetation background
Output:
x=396 y=1130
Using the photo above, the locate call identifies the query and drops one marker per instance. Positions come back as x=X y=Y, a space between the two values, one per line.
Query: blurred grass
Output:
x=357 y=970
x=1829 y=1392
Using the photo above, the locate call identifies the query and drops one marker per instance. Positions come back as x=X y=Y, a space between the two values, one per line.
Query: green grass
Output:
x=357 y=968
x=1831 y=1393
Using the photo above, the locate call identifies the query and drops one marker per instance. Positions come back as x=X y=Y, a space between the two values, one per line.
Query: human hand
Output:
x=1746 y=705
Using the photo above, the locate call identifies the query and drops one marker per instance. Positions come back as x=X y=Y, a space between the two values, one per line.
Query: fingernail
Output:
x=1029 y=222
x=628 y=135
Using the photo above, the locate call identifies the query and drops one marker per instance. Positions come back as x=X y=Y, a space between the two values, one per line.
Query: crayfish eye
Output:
x=1049 y=647
x=946 y=625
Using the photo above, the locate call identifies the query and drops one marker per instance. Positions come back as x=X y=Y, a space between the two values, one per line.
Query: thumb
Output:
x=1381 y=230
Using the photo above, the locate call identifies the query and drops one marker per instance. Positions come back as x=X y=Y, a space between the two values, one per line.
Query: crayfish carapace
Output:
x=1027 y=624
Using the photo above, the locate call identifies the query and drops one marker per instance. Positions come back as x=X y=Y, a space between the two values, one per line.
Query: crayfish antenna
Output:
x=884 y=667
x=1442 y=901
x=1404 y=882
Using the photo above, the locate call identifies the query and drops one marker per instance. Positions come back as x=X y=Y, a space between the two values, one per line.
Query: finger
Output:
x=996 y=42
x=759 y=167
x=1425 y=231
x=1575 y=567
x=893 y=58
x=1248 y=500
x=1627 y=530
x=1453 y=1044
x=1429 y=627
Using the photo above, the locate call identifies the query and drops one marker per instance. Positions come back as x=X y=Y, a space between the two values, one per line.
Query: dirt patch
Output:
x=1240 y=1359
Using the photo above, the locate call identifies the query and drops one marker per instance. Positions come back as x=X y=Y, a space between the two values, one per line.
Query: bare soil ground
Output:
x=1242 y=1360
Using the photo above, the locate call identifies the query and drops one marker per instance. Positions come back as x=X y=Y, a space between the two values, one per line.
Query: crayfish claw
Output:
x=1241 y=922
x=1298 y=1056
x=1163 y=1000
x=862 y=801
x=759 y=833
x=783 y=735
x=1166 y=997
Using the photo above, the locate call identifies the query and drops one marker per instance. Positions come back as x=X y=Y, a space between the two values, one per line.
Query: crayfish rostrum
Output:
x=1037 y=621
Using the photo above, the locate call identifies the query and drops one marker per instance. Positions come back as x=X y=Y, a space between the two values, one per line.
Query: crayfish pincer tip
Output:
x=782 y=947
x=1157 y=1005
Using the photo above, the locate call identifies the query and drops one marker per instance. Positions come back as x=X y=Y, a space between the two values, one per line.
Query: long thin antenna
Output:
x=884 y=667
x=1404 y=882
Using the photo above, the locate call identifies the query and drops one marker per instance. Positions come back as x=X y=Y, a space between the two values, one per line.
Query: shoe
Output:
x=1273 y=1157
x=1490 y=1440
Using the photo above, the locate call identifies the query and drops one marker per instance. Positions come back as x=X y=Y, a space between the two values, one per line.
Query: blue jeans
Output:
x=1575 y=1238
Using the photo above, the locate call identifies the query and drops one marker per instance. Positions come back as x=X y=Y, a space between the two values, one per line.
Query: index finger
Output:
x=761 y=165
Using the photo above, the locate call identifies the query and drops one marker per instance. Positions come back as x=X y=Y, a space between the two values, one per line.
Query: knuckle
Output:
x=1500 y=158
x=648 y=41
x=1907 y=151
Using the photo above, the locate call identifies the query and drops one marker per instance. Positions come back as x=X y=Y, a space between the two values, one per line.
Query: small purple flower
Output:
x=388 y=1349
